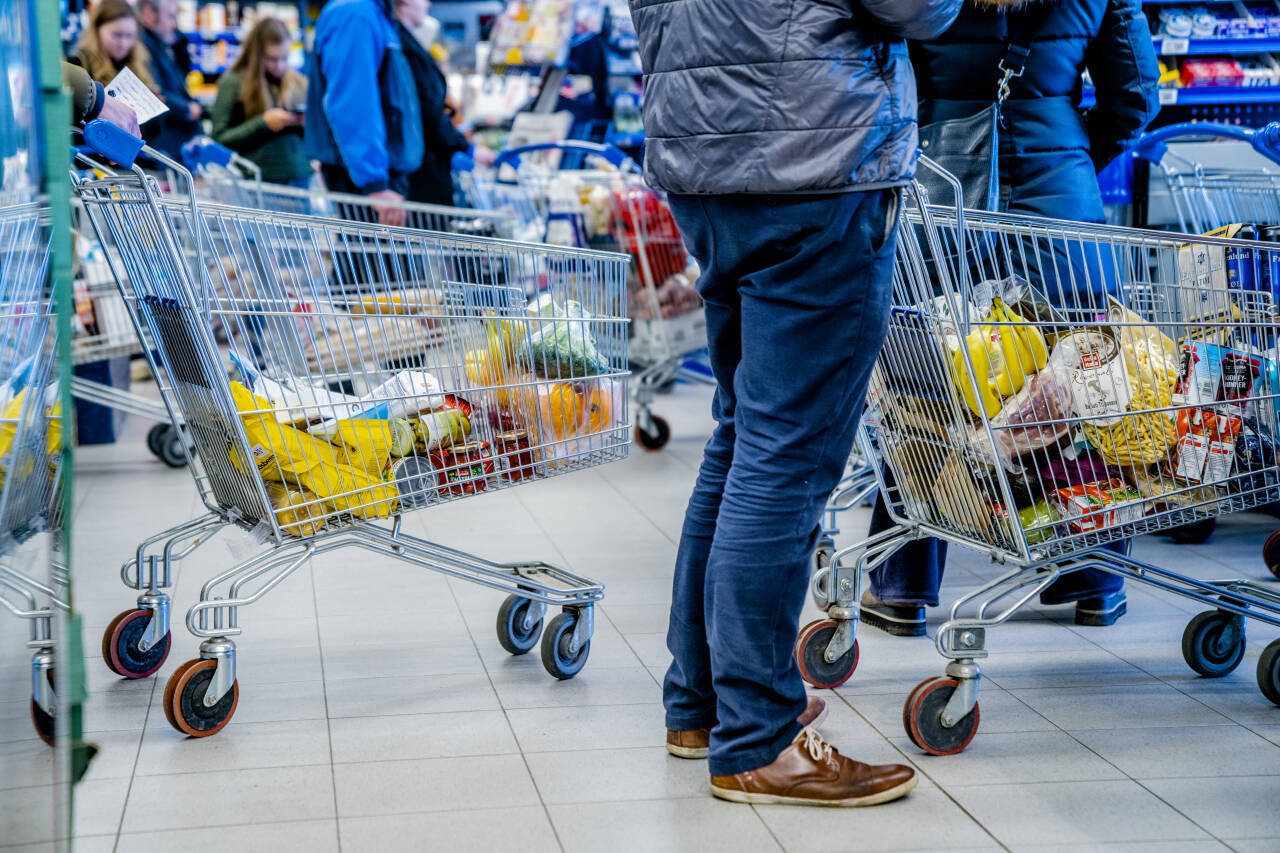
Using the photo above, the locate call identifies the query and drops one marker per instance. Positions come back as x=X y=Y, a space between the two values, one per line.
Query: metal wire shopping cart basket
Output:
x=1207 y=198
x=609 y=206
x=228 y=178
x=1048 y=389
x=369 y=372
x=30 y=442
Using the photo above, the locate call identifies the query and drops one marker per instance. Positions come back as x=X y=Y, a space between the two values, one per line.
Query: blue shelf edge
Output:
x=1205 y=95
x=1209 y=47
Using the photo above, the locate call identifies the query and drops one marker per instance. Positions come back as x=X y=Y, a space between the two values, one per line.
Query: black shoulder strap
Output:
x=1022 y=26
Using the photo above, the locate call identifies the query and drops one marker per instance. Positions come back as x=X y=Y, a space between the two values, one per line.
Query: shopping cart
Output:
x=30 y=442
x=462 y=365
x=1204 y=199
x=103 y=331
x=227 y=177
x=610 y=207
x=1048 y=389
x=856 y=488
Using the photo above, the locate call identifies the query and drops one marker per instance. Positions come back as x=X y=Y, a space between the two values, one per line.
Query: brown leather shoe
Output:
x=810 y=772
x=694 y=743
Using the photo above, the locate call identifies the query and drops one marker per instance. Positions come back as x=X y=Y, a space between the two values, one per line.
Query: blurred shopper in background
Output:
x=432 y=183
x=1050 y=152
x=170 y=62
x=780 y=131
x=261 y=104
x=364 y=123
x=110 y=44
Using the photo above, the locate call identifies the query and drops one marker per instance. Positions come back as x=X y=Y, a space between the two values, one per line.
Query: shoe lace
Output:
x=818 y=748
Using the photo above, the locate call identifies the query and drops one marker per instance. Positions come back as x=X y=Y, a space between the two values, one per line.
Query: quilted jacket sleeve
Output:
x=1122 y=64
x=914 y=19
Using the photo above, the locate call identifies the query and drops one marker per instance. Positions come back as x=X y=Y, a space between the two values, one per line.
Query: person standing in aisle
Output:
x=110 y=44
x=432 y=183
x=170 y=63
x=781 y=132
x=258 y=112
x=364 y=123
x=1050 y=154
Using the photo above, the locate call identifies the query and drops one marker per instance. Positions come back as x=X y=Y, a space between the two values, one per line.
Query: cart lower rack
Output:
x=1047 y=391
x=369 y=372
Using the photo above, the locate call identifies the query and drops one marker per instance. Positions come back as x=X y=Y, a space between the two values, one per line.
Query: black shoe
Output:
x=900 y=620
x=1101 y=612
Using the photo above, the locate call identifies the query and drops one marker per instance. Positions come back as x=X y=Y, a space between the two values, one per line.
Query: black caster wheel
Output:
x=513 y=635
x=1195 y=532
x=1213 y=643
x=556 y=656
x=184 y=700
x=814 y=668
x=155 y=438
x=43 y=721
x=1271 y=553
x=173 y=449
x=657 y=436
x=1269 y=672
x=923 y=717
x=120 y=645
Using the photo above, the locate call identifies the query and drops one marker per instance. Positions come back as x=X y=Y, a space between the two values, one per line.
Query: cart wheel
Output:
x=184 y=700
x=822 y=554
x=814 y=668
x=1213 y=643
x=907 y=706
x=155 y=438
x=556 y=656
x=1271 y=553
x=43 y=721
x=173 y=449
x=512 y=635
x=923 y=715
x=1195 y=532
x=657 y=437
x=1269 y=671
x=120 y=645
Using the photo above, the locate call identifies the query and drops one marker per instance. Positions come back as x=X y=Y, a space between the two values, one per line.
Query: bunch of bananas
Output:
x=1004 y=353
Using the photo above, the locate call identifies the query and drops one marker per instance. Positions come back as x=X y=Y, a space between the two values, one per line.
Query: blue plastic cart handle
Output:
x=109 y=141
x=1154 y=144
x=203 y=151
x=610 y=153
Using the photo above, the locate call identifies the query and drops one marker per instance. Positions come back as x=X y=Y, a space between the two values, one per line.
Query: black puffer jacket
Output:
x=1049 y=149
x=781 y=96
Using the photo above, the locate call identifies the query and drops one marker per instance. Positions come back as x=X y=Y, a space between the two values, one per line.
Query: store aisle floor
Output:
x=378 y=713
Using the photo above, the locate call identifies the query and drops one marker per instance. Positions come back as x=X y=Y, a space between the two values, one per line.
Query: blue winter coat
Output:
x=780 y=96
x=362 y=104
x=1050 y=150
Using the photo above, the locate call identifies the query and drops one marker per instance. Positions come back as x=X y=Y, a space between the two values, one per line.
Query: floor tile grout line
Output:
x=133 y=773
x=924 y=773
x=523 y=758
x=1177 y=810
x=768 y=829
x=328 y=725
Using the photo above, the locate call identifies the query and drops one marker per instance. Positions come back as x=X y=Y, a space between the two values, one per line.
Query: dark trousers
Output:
x=797 y=291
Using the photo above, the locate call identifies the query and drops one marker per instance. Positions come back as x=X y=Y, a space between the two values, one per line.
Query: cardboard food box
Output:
x=1097 y=506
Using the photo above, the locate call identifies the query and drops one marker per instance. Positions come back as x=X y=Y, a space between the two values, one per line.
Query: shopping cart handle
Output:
x=1154 y=144
x=610 y=153
x=203 y=151
x=117 y=145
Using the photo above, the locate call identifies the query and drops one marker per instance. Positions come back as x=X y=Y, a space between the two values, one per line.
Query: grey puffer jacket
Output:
x=781 y=96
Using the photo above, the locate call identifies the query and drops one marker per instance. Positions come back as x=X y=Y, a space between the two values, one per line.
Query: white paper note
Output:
x=132 y=91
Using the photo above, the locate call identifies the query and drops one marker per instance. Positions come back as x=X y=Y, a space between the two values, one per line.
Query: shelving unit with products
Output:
x=215 y=29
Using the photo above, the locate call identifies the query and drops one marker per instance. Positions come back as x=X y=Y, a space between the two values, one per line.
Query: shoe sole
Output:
x=890 y=625
x=851 y=802
x=1101 y=618
x=687 y=751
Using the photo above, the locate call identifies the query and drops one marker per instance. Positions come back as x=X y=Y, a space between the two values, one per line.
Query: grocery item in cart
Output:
x=297 y=510
x=562 y=344
x=1096 y=369
x=1096 y=506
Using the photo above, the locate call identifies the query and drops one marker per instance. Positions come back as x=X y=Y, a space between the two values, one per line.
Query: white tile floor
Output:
x=378 y=713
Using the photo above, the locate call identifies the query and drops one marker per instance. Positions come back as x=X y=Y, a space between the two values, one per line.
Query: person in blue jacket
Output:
x=363 y=119
x=170 y=62
x=1050 y=152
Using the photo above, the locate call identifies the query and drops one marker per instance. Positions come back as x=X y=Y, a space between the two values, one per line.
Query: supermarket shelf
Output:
x=1204 y=47
x=1192 y=96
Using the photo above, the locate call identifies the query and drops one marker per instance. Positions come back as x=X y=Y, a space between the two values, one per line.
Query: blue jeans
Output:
x=797 y=292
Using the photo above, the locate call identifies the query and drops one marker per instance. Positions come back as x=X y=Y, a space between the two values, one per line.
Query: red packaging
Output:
x=1212 y=72
x=1097 y=506
x=463 y=468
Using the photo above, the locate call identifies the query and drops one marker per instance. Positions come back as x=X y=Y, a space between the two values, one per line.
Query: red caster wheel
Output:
x=184 y=700
x=120 y=645
x=923 y=716
x=43 y=721
x=1271 y=553
x=814 y=667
